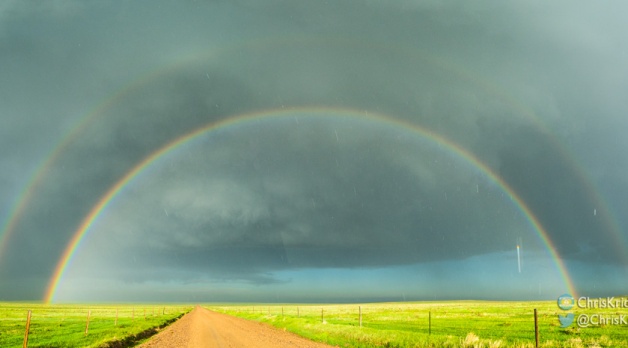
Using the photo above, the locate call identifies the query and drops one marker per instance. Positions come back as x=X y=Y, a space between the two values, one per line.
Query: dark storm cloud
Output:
x=106 y=149
x=278 y=199
x=287 y=194
x=557 y=193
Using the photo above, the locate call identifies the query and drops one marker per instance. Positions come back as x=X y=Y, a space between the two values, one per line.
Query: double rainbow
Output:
x=22 y=201
x=84 y=228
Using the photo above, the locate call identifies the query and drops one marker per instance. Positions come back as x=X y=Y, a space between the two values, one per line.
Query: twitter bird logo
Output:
x=565 y=320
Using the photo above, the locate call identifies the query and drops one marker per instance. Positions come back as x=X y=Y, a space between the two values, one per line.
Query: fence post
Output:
x=298 y=314
x=429 y=319
x=89 y=312
x=28 y=326
x=536 y=329
x=116 y=323
x=360 y=311
x=133 y=314
x=282 y=312
x=322 y=316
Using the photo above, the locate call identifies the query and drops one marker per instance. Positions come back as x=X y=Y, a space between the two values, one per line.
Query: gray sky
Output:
x=313 y=205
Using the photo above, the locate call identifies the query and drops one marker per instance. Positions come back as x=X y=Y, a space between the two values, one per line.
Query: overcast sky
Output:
x=325 y=202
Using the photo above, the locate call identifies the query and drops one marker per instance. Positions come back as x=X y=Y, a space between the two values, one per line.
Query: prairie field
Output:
x=65 y=325
x=436 y=324
x=410 y=324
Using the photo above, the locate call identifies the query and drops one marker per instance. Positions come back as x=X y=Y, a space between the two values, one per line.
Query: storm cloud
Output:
x=91 y=90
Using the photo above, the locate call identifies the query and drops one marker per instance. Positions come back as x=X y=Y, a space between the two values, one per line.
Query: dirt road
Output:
x=203 y=328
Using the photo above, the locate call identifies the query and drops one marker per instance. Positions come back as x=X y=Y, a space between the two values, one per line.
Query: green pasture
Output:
x=414 y=324
x=453 y=324
x=64 y=325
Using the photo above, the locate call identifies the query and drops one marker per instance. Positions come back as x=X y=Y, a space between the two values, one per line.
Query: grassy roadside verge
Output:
x=453 y=324
x=132 y=340
x=64 y=325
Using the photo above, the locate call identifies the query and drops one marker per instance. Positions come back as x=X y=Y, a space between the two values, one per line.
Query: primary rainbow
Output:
x=25 y=196
x=462 y=153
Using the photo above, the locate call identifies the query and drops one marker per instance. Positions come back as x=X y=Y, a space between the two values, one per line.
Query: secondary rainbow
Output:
x=24 y=197
x=462 y=153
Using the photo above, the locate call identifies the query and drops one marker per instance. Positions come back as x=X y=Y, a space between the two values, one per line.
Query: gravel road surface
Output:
x=204 y=328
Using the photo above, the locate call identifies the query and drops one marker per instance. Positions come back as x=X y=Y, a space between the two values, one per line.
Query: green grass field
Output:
x=453 y=324
x=64 y=325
